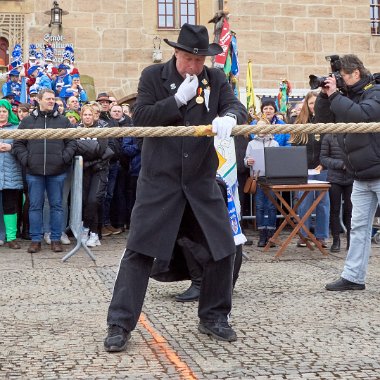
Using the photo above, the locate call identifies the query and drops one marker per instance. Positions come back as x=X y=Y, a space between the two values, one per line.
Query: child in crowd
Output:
x=265 y=210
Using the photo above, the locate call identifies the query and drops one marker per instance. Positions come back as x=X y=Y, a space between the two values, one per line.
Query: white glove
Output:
x=222 y=126
x=187 y=90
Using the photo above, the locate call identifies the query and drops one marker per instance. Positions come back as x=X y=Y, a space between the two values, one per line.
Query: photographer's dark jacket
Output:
x=361 y=103
x=180 y=171
x=332 y=159
x=43 y=156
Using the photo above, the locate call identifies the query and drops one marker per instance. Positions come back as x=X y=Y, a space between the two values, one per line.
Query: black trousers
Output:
x=94 y=189
x=215 y=298
x=132 y=282
x=337 y=193
x=10 y=200
x=195 y=268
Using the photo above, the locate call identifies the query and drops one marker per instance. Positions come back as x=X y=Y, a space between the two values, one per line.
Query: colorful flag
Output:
x=234 y=55
x=227 y=170
x=251 y=103
x=224 y=42
x=23 y=94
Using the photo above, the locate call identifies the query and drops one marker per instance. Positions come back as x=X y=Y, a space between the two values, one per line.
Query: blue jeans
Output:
x=65 y=204
x=264 y=207
x=322 y=210
x=365 y=197
x=53 y=185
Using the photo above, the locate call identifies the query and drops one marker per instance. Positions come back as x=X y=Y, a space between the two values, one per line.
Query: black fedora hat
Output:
x=194 y=39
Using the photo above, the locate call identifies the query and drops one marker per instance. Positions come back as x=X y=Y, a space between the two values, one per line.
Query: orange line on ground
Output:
x=184 y=370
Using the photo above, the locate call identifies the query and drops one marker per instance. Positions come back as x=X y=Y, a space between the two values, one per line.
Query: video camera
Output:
x=335 y=64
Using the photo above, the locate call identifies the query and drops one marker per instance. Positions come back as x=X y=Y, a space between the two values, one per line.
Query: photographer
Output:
x=356 y=100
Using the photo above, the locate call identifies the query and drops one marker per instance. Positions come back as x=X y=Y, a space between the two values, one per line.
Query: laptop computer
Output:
x=285 y=165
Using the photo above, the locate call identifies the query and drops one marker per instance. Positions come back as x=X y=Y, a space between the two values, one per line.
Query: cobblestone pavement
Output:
x=53 y=317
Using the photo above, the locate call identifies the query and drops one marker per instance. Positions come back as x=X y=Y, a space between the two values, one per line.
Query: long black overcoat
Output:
x=177 y=170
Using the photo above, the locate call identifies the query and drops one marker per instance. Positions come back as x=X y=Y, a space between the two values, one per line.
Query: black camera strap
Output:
x=376 y=77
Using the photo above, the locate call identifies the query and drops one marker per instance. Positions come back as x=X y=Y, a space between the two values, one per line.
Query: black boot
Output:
x=191 y=294
x=194 y=268
x=262 y=238
x=270 y=233
x=335 y=247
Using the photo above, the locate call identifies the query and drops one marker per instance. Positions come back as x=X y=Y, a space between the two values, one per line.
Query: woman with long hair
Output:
x=265 y=210
x=96 y=155
x=313 y=149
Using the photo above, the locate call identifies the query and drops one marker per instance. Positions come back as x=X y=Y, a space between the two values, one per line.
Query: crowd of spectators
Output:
x=111 y=166
x=41 y=94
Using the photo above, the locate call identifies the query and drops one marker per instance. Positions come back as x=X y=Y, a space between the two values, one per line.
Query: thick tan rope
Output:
x=196 y=131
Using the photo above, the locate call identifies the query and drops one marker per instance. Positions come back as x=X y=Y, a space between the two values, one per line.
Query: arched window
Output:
x=172 y=14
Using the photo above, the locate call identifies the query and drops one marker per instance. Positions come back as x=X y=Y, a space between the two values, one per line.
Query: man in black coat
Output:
x=177 y=192
x=46 y=163
x=358 y=101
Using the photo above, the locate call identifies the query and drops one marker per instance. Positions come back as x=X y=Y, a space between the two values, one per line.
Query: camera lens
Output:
x=316 y=82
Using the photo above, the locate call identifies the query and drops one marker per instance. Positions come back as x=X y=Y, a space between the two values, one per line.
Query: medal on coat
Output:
x=199 y=99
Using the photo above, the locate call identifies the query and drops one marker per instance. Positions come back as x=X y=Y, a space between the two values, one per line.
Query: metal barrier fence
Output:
x=76 y=224
x=252 y=216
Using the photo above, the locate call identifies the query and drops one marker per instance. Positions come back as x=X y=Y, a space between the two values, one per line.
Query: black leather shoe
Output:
x=191 y=294
x=262 y=238
x=219 y=330
x=335 y=247
x=343 y=284
x=116 y=339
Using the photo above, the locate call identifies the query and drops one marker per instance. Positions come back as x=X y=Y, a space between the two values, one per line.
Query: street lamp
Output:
x=56 y=15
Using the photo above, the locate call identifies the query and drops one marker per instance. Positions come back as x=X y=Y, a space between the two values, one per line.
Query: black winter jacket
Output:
x=361 y=104
x=332 y=159
x=313 y=150
x=116 y=143
x=313 y=147
x=96 y=153
x=44 y=157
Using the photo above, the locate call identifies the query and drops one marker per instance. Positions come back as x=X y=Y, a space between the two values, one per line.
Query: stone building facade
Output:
x=113 y=41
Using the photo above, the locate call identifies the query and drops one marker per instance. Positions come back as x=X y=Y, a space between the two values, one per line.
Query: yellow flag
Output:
x=250 y=92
